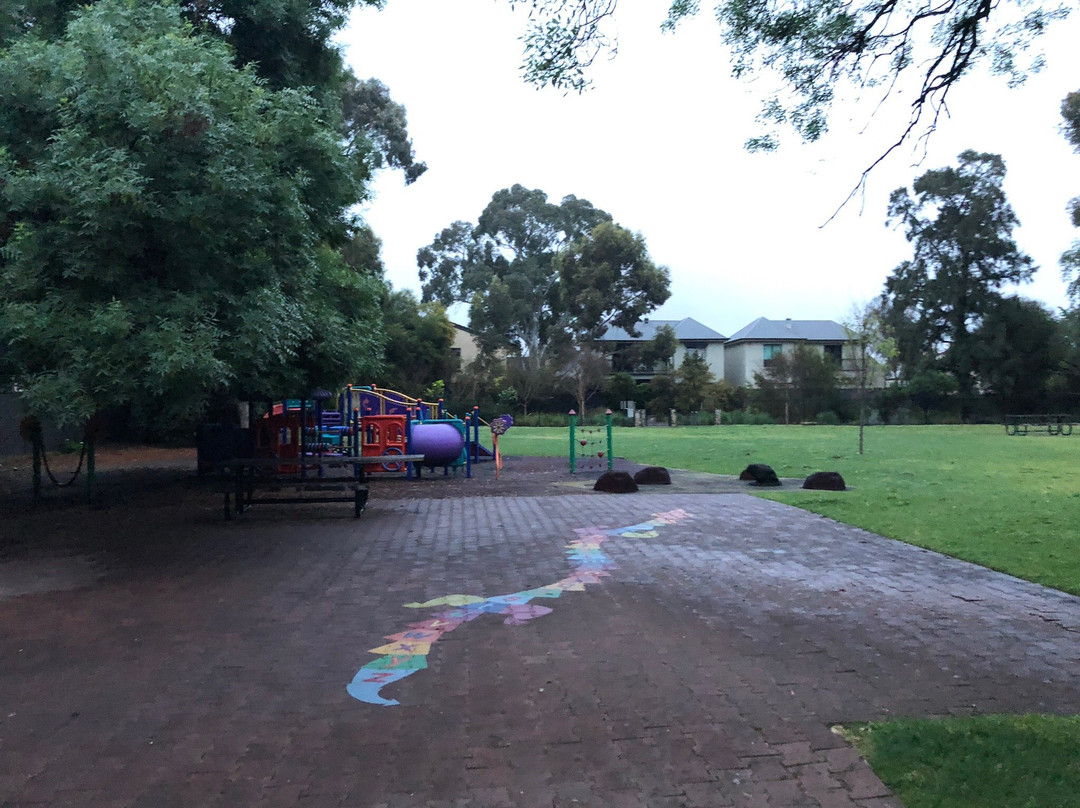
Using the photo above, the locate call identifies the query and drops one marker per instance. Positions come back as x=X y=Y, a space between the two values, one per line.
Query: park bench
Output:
x=1053 y=424
x=248 y=481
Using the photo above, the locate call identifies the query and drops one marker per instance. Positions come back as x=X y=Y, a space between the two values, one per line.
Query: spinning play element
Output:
x=499 y=426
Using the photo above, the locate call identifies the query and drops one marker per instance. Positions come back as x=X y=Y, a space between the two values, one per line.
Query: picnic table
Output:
x=1052 y=424
x=322 y=478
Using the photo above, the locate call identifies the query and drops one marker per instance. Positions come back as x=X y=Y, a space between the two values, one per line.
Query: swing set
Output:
x=30 y=430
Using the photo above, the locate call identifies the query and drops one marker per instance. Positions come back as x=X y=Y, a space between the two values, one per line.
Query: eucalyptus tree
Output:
x=1070 y=260
x=918 y=48
x=960 y=226
x=540 y=276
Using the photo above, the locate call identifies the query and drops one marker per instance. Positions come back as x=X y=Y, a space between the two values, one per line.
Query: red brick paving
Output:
x=205 y=664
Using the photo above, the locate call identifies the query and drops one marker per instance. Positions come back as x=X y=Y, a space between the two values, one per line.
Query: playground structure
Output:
x=590 y=445
x=370 y=422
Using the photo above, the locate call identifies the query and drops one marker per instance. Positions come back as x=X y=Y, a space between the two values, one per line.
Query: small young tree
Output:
x=621 y=387
x=693 y=383
x=476 y=383
x=662 y=392
x=865 y=327
x=529 y=380
x=659 y=351
x=582 y=373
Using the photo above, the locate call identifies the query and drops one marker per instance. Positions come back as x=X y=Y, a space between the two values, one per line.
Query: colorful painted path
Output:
x=408 y=650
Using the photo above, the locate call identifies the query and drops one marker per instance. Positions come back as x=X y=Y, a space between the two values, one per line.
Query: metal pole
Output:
x=408 y=443
x=36 y=441
x=476 y=432
x=90 y=472
x=573 y=439
x=610 y=455
x=303 y=434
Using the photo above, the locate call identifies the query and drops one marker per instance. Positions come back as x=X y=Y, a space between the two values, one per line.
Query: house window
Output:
x=771 y=352
x=834 y=352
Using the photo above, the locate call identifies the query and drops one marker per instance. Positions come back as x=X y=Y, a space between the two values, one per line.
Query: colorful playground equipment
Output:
x=371 y=422
x=590 y=445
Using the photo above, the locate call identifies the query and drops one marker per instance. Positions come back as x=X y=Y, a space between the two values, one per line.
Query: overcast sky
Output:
x=658 y=143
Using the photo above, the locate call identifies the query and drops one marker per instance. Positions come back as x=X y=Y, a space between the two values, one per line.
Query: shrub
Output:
x=748 y=417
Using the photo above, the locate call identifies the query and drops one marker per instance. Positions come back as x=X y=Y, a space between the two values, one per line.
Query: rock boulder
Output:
x=653 y=475
x=616 y=482
x=760 y=474
x=825 y=481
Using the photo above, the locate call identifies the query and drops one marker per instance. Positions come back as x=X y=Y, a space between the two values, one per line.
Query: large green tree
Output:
x=1070 y=260
x=960 y=226
x=606 y=278
x=1066 y=382
x=289 y=43
x=918 y=48
x=170 y=226
x=375 y=124
x=419 y=337
x=538 y=275
x=1020 y=349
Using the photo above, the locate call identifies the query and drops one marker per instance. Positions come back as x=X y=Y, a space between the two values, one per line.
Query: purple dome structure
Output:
x=441 y=444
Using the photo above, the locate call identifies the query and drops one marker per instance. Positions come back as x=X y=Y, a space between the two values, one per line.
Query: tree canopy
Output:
x=920 y=48
x=539 y=275
x=960 y=225
x=419 y=337
x=287 y=42
x=1020 y=349
x=1070 y=260
x=371 y=115
x=170 y=225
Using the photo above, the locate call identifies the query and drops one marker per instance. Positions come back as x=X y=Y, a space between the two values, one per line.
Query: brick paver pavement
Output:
x=209 y=666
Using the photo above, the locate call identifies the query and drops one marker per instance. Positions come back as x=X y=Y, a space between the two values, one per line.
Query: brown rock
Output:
x=761 y=474
x=616 y=482
x=825 y=481
x=653 y=475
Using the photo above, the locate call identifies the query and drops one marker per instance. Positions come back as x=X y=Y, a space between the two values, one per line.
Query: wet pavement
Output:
x=671 y=648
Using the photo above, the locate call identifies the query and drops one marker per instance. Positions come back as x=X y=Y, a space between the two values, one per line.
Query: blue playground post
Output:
x=356 y=426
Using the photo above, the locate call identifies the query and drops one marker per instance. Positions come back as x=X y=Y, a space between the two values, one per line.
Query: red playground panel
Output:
x=383 y=435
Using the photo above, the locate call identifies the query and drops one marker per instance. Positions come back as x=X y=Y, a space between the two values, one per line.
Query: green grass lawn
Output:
x=1027 y=761
x=1009 y=503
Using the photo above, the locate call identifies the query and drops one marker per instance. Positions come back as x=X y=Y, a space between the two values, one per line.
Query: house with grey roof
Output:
x=755 y=347
x=694 y=338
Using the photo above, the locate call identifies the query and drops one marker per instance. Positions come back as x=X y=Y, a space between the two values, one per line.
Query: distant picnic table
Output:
x=1051 y=424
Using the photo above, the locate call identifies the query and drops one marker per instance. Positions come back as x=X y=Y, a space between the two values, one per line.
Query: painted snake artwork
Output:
x=407 y=651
